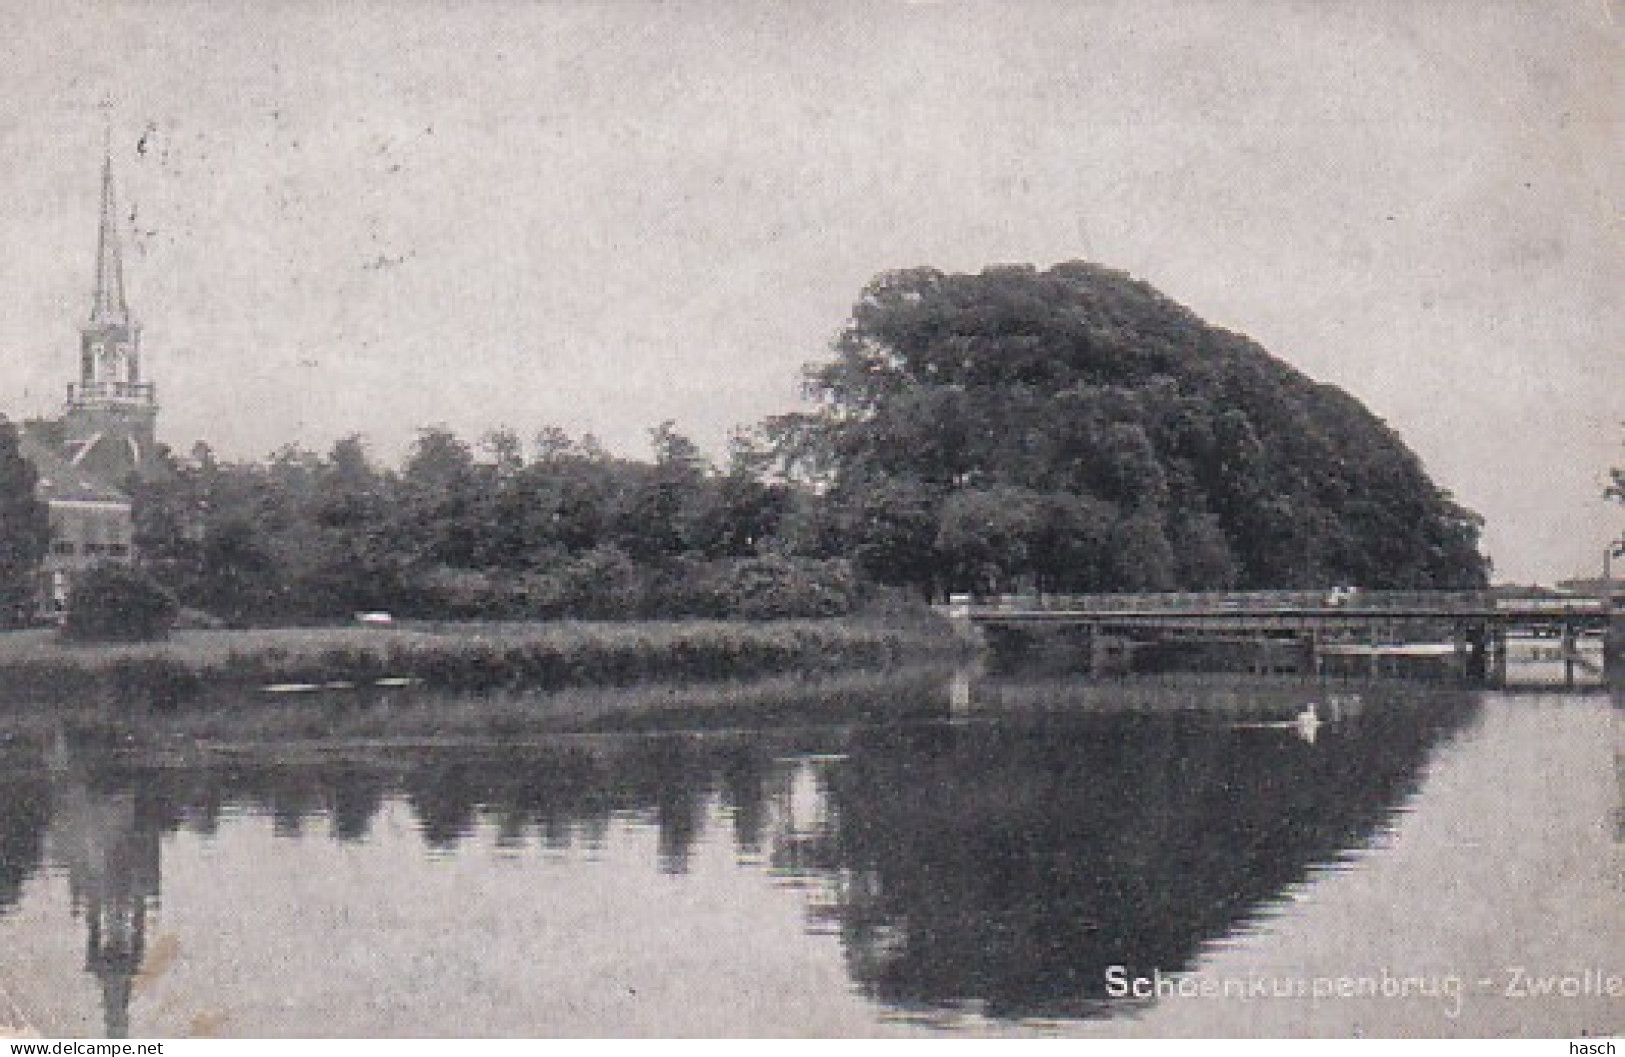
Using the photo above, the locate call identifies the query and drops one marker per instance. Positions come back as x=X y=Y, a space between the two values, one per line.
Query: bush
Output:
x=605 y=583
x=119 y=603
x=602 y=584
x=775 y=588
x=465 y=594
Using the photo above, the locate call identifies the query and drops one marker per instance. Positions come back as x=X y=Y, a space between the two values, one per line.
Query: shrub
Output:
x=463 y=594
x=156 y=682
x=602 y=584
x=775 y=588
x=119 y=603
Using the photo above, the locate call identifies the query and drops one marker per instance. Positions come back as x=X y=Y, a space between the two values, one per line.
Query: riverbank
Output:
x=245 y=667
x=245 y=726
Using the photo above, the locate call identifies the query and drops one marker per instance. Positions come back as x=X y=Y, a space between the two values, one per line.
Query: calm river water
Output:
x=976 y=855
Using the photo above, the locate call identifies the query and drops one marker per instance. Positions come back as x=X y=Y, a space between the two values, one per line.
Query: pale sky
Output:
x=371 y=217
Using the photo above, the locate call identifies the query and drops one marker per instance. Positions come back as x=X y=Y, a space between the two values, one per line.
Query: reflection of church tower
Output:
x=112 y=857
x=112 y=413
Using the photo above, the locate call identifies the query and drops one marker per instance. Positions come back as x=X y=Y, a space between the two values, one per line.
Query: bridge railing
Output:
x=1443 y=602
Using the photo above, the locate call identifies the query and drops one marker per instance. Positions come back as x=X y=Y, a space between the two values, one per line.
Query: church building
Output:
x=106 y=436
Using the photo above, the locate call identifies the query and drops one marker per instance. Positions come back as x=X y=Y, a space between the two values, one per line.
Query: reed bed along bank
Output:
x=197 y=666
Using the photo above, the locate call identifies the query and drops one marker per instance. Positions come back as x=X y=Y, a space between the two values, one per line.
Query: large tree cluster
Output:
x=1073 y=429
x=502 y=529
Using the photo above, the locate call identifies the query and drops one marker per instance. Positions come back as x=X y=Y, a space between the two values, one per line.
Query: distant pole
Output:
x=1613 y=645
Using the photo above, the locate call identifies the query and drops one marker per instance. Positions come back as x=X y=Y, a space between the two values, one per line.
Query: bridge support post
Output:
x=1478 y=645
x=1613 y=645
x=1104 y=655
x=960 y=691
x=1571 y=644
x=1498 y=650
x=1309 y=644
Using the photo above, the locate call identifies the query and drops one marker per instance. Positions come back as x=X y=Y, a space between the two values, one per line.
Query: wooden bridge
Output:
x=1474 y=626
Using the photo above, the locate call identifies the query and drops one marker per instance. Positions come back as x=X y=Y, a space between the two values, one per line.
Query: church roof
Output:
x=60 y=481
x=110 y=455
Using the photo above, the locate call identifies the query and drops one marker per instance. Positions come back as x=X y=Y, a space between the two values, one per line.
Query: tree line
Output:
x=500 y=528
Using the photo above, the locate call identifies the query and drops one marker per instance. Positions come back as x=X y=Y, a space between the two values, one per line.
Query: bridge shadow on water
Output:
x=998 y=861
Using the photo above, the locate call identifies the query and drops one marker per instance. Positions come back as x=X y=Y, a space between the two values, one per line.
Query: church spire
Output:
x=109 y=306
x=113 y=410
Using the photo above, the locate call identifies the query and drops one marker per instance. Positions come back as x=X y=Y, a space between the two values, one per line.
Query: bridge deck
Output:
x=1284 y=608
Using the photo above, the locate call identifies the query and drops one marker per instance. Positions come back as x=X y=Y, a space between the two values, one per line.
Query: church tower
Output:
x=112 y=412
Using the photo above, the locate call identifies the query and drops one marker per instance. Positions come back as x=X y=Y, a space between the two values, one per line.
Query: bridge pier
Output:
x=1478 y=650
x=1613 y=645
x=1498 y=658
x=1109 y=654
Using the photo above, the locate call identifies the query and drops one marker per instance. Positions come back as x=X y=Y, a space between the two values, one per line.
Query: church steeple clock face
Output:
x=115 y=361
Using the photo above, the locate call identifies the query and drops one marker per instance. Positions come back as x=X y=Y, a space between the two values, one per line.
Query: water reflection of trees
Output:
x=1001 y=864
x=25 y=811
x=1009 y=865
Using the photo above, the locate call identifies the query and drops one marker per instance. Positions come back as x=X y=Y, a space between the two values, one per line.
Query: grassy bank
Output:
x=203 y=666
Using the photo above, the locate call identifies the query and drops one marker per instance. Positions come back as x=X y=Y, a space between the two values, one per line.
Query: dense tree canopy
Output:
x=25 y=529
x=484 y=530
x=1073 y=429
